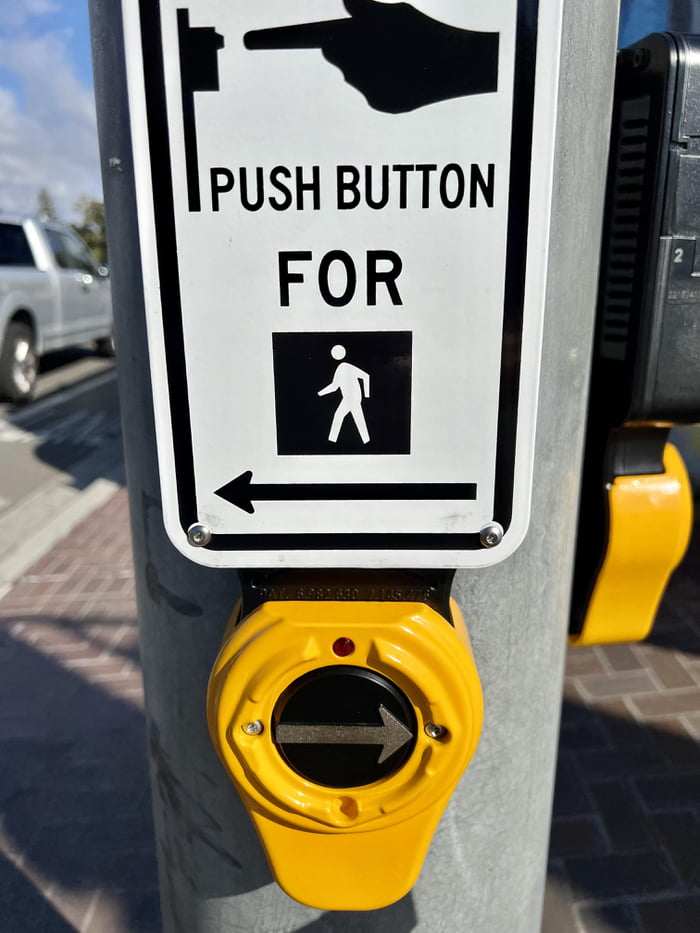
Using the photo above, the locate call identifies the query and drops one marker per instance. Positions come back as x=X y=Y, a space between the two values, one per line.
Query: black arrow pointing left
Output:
x=241 y=492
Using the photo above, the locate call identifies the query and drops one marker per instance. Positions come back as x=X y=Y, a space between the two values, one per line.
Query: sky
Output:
x=48 y=135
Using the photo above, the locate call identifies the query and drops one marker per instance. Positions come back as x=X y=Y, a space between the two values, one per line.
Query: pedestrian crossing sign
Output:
x=344 y=217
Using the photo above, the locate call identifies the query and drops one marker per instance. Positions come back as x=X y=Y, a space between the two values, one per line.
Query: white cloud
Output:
x=48 y=134
x=19 y=12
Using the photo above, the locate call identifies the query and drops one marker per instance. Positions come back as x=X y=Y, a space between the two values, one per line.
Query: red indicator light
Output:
x=343 y=647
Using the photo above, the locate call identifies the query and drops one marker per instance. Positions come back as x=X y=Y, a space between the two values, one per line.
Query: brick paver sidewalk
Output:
x=76 y=843
x=76 y=838
x=625 y=844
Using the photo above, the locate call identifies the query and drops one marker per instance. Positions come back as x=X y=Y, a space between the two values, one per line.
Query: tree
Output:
x=45 y=207
x=91 y=226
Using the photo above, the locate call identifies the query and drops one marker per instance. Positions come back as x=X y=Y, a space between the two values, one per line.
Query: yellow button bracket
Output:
x=345 y=727
x=649 y=521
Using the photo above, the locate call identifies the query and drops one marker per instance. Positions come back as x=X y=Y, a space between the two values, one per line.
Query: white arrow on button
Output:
x=391 y=735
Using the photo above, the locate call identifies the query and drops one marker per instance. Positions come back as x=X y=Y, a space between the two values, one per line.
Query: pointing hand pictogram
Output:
x=397 y=57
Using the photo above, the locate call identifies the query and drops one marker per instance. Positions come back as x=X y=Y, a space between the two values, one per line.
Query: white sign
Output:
x=343 y=215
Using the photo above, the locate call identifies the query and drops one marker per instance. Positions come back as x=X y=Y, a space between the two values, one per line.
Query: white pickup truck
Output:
x=53 y=293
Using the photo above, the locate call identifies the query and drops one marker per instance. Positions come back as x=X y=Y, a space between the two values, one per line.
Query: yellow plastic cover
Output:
x=650 y=520
x=354 y=848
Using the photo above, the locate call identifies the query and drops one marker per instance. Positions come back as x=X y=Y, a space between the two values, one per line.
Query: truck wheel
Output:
x=19 y=366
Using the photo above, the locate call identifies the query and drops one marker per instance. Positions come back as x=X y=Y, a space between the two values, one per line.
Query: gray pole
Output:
x=485 y=870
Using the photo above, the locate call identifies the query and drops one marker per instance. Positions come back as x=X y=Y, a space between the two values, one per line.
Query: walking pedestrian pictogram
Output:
x=343 y=392
x=353 y=385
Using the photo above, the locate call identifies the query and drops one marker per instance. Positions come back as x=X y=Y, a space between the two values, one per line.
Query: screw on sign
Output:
x=491 y=534
x=199 y=535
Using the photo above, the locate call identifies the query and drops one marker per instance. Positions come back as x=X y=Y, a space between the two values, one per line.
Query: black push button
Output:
x=344 y=726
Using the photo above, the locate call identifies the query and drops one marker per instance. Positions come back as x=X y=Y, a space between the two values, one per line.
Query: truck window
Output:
x=56 y=244
x=14 y=248
x=70 y=252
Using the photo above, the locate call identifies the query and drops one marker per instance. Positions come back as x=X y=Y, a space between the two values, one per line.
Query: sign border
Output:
x=518 y=222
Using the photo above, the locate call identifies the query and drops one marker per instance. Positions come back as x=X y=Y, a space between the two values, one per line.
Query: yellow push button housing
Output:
x=345 y=727
x=650 y=517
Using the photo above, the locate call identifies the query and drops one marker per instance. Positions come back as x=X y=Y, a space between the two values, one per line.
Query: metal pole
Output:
x=485 y=870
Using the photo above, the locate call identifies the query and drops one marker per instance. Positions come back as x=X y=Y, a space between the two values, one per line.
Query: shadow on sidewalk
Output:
x=94 y=635
x=74 y=796
x=77 y=433
x=28 y=907
x=625 y=838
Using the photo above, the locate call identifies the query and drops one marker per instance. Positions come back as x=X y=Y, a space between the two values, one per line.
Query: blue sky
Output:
x=48 y=136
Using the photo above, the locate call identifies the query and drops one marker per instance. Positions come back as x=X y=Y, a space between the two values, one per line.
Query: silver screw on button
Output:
x=199 y=535
x=253 y=728
x=434 y=731
x=491 y=534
